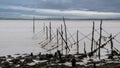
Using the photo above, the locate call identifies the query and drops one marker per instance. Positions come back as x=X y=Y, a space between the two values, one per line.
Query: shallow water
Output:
x=16 y=36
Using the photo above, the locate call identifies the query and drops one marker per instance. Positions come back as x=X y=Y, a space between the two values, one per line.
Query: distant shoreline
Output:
x=60 y=19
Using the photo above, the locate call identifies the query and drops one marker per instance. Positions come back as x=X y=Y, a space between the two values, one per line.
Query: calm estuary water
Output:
x=16 y=36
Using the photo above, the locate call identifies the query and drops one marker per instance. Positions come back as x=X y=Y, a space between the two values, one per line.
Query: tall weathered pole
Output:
x=85 y=48
x=57 y=40
x=65 y=35
x=50 y=31
x=100 y=38
x=62 y=39
x=33 y=25
x=46 y=32
x=111 y=42
x=92 y=36
x=50 y=35
x=77 y=43
x=44 y=28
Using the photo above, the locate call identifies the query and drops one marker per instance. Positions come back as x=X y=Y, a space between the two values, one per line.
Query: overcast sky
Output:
x=60 y=8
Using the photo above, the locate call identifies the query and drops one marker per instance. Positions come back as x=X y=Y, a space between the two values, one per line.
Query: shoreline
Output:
x=60 y=18
x=50 y=60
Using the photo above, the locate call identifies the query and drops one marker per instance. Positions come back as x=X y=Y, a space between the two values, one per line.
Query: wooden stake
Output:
x=44 y=28
x=84 y=48
x=92 y=36
x=100 y=38
x=33 y=25
x=111 y=41
x=62 y=39
x=46 y=32
x=57 y=39
x=65 y=35
x=77 y=43
x=50 y=30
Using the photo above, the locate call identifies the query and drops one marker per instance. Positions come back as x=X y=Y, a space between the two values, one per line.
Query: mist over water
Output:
x=16 y=36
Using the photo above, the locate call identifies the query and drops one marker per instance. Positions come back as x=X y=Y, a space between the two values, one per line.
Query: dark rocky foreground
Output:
x=52 y=61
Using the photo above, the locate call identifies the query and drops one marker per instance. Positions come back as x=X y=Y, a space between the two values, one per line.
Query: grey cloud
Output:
x=92 y=5
x=62 y=5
